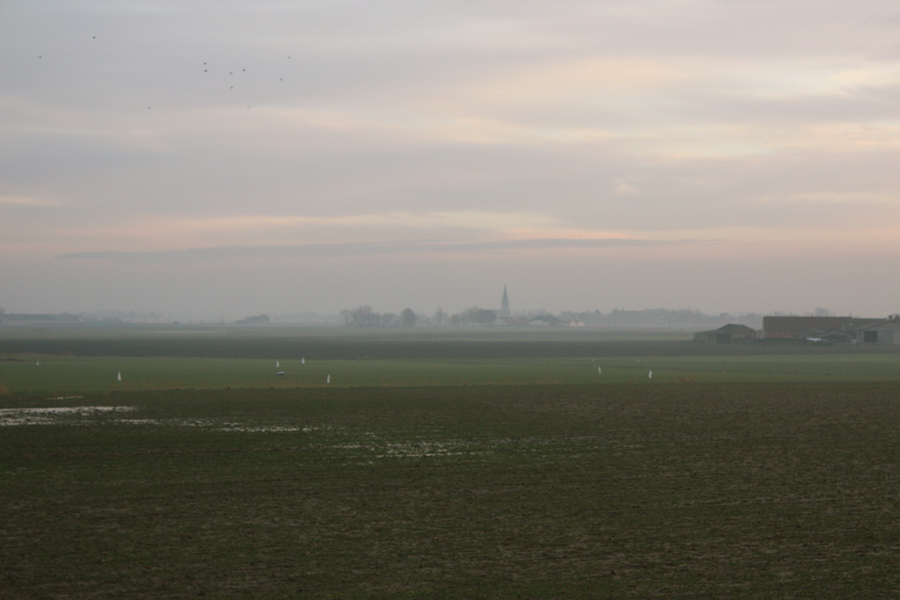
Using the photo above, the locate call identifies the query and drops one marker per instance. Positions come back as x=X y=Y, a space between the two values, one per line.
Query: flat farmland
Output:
x=713 y=490
x=50 y=375
x=383 y=344
x=444 y=465
x=65 y=362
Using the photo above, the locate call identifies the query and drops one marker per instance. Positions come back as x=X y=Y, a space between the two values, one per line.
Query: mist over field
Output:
x=404 y=299
x=209 y=162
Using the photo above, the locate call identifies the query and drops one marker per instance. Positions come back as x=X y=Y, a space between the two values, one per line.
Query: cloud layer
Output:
x=321 y=251
x=643 y=133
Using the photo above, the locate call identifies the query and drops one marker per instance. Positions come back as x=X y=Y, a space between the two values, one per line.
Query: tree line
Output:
x=365 y=316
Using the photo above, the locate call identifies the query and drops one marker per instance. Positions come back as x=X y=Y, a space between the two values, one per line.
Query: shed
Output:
x=796 y=327
x=732 y=333
x=833 y=336
x=545 y=320
x=885 y=332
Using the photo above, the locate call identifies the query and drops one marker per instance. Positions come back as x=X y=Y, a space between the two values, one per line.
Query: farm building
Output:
x=885 y=332
x=545 y=321
x=806 y=327
x=832 y=336
x=727 y=334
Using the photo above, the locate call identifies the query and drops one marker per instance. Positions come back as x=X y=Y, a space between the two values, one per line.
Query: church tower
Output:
x=504 y=304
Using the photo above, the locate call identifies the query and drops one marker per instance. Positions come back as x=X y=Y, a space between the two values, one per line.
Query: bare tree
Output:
x=361 y=316
x=477 y=316
x=408 y=318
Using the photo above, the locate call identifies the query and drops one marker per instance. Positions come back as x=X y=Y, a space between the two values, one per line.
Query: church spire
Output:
x=504 y=305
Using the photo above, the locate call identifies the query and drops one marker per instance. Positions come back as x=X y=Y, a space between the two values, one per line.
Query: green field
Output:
x=444 y=467
x=64 y=375
x=76 y=361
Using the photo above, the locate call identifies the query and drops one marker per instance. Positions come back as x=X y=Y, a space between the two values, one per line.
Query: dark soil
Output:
x=671 y=491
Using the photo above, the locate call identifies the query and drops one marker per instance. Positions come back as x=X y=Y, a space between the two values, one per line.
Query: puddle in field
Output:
x=54 y=414
x=429 y=449
x=410 y=449
x=265 y=429
x=75 y=415
x=369 y=446
x=218 y=426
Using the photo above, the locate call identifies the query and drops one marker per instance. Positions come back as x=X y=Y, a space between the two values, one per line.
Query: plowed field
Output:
x=564 y=491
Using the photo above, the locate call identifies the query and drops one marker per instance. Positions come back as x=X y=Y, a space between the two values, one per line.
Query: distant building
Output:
x=546 y=321
x=727 y=334
x=805 y=327
x=254 y=320
x=831 y=336
x=834 y=329
x=884 y=332
x=504 y=305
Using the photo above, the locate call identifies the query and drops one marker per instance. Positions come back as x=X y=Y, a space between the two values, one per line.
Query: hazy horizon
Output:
x=651 y=316
x=229 y=159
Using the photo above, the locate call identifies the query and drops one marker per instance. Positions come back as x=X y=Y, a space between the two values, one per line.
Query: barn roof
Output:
x=891 y=323
x=732 y=328
x=798 y=324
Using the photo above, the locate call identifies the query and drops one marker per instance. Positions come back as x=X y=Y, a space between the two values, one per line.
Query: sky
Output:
x=221 y=159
